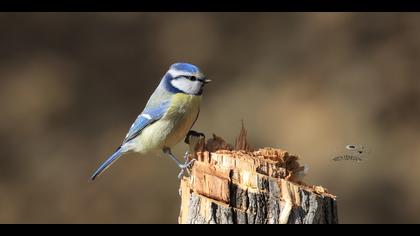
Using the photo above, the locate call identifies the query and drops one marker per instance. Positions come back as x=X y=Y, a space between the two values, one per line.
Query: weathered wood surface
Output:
x=251 y=187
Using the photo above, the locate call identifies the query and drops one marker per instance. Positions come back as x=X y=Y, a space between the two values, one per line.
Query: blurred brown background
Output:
x=71 y=84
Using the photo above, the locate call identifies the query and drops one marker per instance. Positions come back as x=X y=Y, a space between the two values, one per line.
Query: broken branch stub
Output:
x=241 y=186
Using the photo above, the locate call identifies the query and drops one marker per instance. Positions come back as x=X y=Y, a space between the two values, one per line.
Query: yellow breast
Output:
x=181 y=115
x=172 y=127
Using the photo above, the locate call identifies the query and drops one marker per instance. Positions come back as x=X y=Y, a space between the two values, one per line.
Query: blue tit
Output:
x=170 y=113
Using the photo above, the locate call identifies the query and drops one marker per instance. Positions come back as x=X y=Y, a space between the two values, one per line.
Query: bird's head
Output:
x=185 y=78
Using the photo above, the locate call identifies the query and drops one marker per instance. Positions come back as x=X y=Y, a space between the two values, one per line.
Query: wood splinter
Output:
x=238 y=185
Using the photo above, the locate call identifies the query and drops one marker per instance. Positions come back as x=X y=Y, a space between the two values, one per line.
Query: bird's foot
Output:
x=185 y=167
x=187 y=156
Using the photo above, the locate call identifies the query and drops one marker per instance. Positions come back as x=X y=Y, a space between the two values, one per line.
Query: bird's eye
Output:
x=193 y=78
x=351 y=147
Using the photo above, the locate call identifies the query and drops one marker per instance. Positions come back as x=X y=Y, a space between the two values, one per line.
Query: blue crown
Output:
x=185 y=67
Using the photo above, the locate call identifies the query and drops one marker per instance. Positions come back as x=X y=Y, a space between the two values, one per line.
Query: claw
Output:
x=187 y=156
x=181 y=174
x=185 y=167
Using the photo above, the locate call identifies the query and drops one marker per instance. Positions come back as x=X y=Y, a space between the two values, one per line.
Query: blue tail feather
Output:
x=117 y=154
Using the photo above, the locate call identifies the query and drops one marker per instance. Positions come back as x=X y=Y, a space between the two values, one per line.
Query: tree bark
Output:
x=250 y=187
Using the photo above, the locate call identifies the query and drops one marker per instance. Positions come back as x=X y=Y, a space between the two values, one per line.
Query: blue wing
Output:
x=147 y=117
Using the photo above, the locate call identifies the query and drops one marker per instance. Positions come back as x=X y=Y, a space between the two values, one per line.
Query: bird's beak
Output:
x=206 y=81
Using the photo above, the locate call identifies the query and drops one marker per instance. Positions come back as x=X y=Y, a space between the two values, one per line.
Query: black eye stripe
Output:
x=190 y=77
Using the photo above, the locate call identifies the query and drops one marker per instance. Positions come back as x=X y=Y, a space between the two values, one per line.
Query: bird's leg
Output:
x=184 y=166
x=187 y=159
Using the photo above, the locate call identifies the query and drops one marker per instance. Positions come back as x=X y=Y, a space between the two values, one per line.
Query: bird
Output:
x=167 y=118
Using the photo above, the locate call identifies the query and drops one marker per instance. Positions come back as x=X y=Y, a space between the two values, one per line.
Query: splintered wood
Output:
x=241 y=140
x=244 y=186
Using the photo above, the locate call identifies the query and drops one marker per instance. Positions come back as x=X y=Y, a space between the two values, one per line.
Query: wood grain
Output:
x=242 y=186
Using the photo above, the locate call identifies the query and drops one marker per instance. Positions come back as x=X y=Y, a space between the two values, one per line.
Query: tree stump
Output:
x=239 y=186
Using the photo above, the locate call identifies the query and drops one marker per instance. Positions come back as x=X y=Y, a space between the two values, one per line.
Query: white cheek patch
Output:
x=187 y=86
